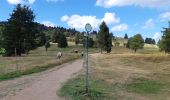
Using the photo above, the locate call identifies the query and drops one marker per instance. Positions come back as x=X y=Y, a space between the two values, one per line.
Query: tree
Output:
x=47 y=45
x=20 y=28
x=126 y=36
x=40 y=38
x=128 y=43
x=55 y=36
x=1 y=38
x=104 y=38
x=165 y=42
x=150 y=41
x=90 y=42
x=136 y=42
x=153 y=41
x=62 y=41
x=2 y=51
x=77 y=38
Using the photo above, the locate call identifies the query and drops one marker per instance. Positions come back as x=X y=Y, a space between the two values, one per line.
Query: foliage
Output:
x=55 y=36
x=47 y=45
x=1 y=38
x=150 y=41
x=90 y=42
x=128 y=43
x=164 y=44
x=40 y=38
x=62 y=41
x=2 y=51
x=104 y=38
x=19 y=29
x=136 y=42
x=126 y=36
x=77 y=38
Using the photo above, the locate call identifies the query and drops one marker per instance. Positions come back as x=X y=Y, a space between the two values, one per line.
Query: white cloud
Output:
x=142 y=3
x=121 y=27
x=64 y=18
x=79 y=22
x=149 y=24
x=165 y=16
x=54 y=0
x=48 y=23
x=14 y=2
x=157 y=36
x=110 y=18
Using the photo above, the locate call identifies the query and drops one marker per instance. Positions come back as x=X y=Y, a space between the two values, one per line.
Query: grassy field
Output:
x=38 y=60
x=123 y=75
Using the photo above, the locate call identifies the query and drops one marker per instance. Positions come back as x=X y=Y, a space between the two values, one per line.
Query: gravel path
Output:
x=41 y=86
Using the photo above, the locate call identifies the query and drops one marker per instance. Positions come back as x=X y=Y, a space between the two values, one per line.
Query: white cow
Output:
x=59 y=55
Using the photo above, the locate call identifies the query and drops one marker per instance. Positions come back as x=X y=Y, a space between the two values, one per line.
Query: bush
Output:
x=2 y=51
x=62 y=41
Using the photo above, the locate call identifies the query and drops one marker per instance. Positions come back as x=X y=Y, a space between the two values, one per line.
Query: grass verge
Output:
x=15 y=74
x=74 y=89
x=145 y=86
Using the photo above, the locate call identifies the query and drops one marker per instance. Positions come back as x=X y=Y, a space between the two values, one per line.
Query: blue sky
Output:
x=122 y=16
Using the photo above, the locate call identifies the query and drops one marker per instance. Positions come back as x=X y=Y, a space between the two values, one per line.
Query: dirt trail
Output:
x=42 y=86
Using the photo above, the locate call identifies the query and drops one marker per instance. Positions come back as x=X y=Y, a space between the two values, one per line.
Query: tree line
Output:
x=21 y=33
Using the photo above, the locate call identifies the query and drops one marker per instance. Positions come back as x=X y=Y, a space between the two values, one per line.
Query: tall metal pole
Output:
x=88 y=29
x=87 y=73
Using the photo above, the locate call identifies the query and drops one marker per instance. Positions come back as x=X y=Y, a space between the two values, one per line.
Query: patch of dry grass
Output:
x=123 y=70
x=37 y=57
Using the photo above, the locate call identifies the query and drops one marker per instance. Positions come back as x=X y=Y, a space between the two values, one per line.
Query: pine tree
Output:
x=62 y=41
x=126 y=36
x=1 y=38
x=165 y=42
x=20 y=28
x=104 y=38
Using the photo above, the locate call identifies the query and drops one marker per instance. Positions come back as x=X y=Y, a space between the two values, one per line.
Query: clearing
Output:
x=123 y=75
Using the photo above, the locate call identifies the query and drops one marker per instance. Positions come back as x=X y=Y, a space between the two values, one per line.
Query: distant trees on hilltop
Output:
x=150 y=41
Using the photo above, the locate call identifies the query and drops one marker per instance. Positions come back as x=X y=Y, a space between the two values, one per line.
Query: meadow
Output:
x=124 y=75
x=38 y=60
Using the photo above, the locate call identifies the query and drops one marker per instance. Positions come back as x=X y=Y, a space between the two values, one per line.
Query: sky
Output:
x=146 y=17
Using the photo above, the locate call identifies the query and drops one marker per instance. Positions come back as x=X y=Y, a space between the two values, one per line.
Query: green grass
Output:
x=145 y=86
x=19 y=73
x=75 y=89
x=102 y=90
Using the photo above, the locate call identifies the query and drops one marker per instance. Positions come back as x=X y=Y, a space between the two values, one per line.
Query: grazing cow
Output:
x=59 y=55
x=82 y=54
x=76 y=51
